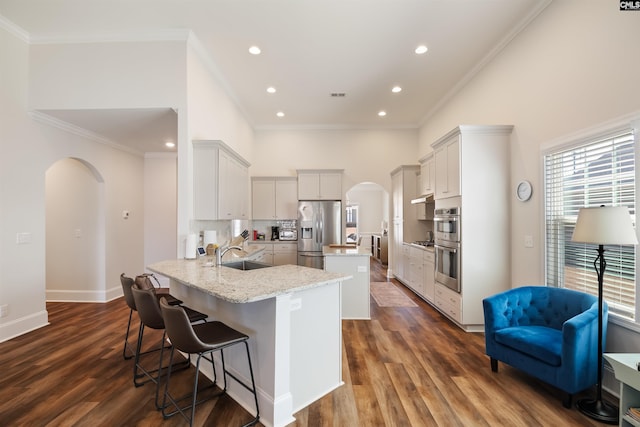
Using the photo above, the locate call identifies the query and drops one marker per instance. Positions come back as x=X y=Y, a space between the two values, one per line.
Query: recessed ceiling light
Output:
x=280 y=114
x=382 y=113
x=169 y=144
x=396 y=89
x=421 y=49
x=271 y=89
x=254 y=50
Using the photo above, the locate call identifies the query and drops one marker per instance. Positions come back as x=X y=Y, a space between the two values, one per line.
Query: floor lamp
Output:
x=602 y=226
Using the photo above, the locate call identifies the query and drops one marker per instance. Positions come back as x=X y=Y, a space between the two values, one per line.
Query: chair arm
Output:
x=580 y=342
x=495 y=310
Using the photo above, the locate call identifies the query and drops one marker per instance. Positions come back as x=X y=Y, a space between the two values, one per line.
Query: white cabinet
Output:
x=276 y=253
x=449 y=302
x=447 y=168
x=428 y=271
x=404 y=214
x=285 y=253
x=427 y=175
x=320 y=184
x=274 y=198
x=416 y=275
x=626 y=371
x=220 y=182
x=473 y=173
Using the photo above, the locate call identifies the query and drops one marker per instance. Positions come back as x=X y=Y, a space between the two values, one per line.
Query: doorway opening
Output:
x=75 y=232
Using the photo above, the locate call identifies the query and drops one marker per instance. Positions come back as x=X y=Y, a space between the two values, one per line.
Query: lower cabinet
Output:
x=428 y=270
x=285 y=253
x=275 y=253
x=449 y=302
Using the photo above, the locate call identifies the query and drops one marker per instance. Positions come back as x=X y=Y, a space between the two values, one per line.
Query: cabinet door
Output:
x=240 y=192
x=263 y=198
x=205 y=182
x=453 y=167
x=286 y=199
x=428 y=270
x=330 y=186
x=285 y=253
x=225 y=192
x=308 y=186
x=427 y=176
x=447 y=165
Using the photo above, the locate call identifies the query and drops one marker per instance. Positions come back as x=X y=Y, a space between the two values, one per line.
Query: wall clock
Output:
x=523 y=191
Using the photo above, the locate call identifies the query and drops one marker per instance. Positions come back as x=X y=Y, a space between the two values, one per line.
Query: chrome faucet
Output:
x=221 y=251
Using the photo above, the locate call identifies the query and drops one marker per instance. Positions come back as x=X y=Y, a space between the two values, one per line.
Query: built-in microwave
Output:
x=446 y=223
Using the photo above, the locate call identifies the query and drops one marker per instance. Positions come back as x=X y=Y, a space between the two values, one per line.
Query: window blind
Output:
x=594 y=173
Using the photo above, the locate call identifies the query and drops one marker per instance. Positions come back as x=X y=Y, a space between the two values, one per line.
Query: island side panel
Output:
x=267 y=324
x=316 y=344
x=355 y=291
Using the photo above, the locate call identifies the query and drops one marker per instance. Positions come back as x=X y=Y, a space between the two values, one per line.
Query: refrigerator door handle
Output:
x=320 y=234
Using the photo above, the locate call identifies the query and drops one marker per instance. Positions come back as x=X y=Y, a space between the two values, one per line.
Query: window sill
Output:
x=624 y=323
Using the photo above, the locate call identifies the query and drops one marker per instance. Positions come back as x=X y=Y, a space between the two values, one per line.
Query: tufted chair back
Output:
x=543 y=306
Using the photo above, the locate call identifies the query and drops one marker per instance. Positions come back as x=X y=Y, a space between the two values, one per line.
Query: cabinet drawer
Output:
x=449 y=302
x=285 y=247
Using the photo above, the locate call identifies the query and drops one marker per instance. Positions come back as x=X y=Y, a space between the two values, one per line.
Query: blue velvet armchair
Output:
x=549 y=333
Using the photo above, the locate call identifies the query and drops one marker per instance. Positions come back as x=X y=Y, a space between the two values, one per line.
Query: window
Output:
x=593 y=173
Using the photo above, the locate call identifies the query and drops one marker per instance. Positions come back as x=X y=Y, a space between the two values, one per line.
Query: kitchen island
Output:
x=292 y=315
x=354 y=261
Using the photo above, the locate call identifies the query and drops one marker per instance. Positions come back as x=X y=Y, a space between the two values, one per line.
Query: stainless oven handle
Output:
x=447 y=248
x=447 y=219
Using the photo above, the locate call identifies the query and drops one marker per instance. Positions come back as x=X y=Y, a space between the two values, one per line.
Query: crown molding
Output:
x=14 y=29
x=112 y=37
x=82 y=132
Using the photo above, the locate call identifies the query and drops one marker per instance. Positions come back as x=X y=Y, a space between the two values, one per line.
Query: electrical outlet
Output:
x=296 y=304
x=4 y=310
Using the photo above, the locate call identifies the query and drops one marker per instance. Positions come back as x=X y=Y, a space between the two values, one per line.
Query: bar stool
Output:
x=150 y=316
x=203 y=339
x=127 y=283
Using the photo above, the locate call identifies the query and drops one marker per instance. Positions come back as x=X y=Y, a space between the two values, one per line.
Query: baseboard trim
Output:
x=83 y=295
x=23 y=325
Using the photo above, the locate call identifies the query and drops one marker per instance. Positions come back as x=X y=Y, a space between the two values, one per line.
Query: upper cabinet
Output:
x=274 y=197
x=220 y=182
x=447 y=167
x=427 y=175
x=320 y=184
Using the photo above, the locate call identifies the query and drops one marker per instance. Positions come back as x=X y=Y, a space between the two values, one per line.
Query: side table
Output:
x=625 y=367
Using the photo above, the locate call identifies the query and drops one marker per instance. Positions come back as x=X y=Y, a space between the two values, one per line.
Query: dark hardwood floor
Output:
x=405 y=367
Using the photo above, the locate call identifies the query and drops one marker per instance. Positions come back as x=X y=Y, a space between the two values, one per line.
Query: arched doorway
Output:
x=75 y=240
x=371 y=202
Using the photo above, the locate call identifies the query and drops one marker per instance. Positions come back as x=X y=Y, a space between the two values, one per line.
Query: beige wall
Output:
x=571 y=69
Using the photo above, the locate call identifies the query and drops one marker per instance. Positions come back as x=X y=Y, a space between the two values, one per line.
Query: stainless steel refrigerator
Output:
x=319 y=224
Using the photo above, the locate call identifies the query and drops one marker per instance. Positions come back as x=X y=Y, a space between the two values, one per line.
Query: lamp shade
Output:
x=605 y=225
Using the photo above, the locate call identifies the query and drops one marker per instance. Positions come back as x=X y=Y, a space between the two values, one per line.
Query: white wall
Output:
x=160 y=213
x=365 y=155
x=372 y=201
x=29 y=148
x=74 y=233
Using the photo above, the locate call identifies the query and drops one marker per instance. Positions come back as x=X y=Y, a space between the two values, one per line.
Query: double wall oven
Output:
x=446 y=223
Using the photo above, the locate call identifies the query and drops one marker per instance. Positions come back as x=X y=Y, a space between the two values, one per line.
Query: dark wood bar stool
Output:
x=150 y=316
x=202 y=339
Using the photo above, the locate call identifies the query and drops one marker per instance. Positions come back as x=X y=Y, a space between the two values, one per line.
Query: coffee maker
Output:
x=275 y=233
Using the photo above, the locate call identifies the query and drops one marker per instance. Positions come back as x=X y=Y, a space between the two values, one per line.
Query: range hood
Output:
x=425 y=198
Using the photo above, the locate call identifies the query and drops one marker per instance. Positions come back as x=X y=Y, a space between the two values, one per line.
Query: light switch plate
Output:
x=528 y=241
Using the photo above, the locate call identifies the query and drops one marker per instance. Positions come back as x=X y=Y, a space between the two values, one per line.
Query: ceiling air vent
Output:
x=338 y=94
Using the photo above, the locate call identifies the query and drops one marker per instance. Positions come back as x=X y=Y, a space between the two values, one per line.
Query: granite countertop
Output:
x=344 y=251
x=424 y=248
x=239 y=286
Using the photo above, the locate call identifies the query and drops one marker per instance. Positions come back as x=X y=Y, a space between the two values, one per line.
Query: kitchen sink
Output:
x=246 y=265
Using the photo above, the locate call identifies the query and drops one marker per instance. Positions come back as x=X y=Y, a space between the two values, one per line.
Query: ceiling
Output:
x=310 y=49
